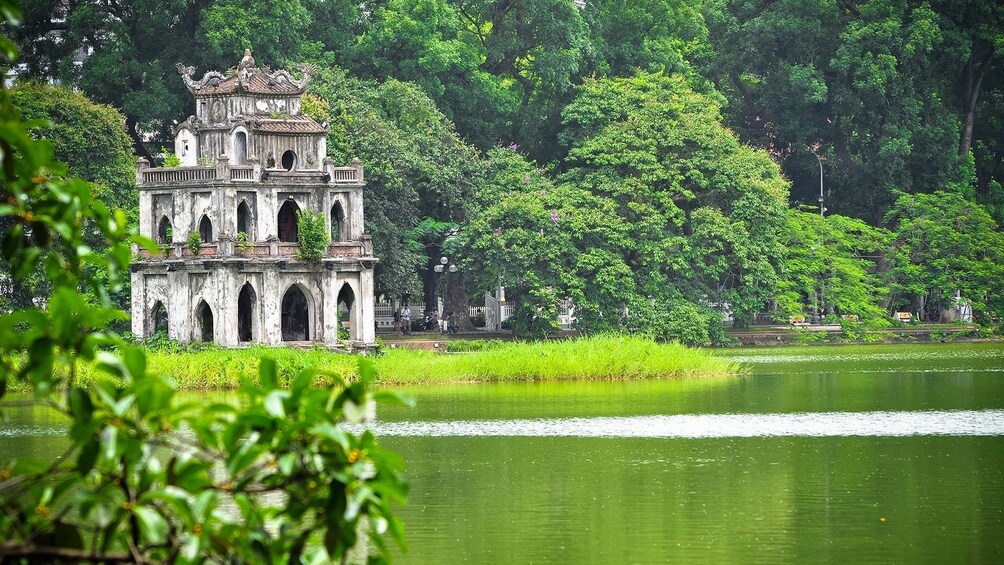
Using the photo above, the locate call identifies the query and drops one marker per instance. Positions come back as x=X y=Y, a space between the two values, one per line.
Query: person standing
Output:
x=406 y=319
x=397 y=321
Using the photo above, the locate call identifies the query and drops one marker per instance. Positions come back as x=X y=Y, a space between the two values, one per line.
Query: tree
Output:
x=871 y=84
x=130 y=488
x=831 y=267
x=91 y=140
x=419 y=173
x=660 y=207
x=944 y=245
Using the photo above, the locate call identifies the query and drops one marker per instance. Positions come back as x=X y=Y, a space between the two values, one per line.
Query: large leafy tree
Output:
x=419 y=173
x=945 y=244
x=877 y=88
x=660 y=207
x=91 y=140
x=831 y=267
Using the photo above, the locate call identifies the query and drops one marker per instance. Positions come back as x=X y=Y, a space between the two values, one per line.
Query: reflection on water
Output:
x=826 y=424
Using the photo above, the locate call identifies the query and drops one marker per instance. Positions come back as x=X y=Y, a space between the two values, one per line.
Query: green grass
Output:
x=603 y=357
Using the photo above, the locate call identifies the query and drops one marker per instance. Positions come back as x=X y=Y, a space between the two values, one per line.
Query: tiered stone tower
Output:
x=250 y=161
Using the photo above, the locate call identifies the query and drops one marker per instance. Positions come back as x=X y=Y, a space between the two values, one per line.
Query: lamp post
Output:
x=820 y=159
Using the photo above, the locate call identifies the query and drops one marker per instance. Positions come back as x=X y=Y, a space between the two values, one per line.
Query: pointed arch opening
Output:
x=205 y=229
x=204 y=321
x=165 y=231
x=338 y=228
x=289 y=231
x=244 y=219
x=295 y=315
x=159 y=317
x=247 y=301
x=346 y=312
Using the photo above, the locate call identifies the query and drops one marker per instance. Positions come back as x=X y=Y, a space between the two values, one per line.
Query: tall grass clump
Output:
x=601 y=357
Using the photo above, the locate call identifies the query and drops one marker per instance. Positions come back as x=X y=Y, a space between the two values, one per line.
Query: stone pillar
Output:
x=328 y=167
x=138 y=299
x=366 y=315
x=329 y=280
x=141 y=165
x=271 y=301
x=255 y=167
x=179 y=306
x=226 y=306
x=223 y=168
x=356 y=164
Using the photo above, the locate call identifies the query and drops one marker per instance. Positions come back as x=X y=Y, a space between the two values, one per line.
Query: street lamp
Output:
x=820 y=159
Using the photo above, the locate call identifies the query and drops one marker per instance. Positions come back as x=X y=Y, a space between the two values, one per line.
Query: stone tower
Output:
x=250 y=162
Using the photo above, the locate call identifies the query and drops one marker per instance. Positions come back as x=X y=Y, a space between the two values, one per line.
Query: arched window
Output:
x=244 y=218
x=295 y=315
x=288 y=160
x=159 y=318
x=205 y=229
x=288 y=229
x=246 y=302
x=204 y=318
x=165 y=232
x=339 y=231
x=240 y=148
x=346 y=314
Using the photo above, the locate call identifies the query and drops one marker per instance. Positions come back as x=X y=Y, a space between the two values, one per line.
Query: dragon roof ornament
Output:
x=247 y=78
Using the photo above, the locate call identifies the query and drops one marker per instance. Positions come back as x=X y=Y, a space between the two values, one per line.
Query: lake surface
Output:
x=824 y=454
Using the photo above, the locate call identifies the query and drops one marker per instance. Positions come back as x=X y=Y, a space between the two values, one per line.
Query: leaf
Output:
x=268 y=374
x=273 y=403
x=80 y=404
x=153 y=526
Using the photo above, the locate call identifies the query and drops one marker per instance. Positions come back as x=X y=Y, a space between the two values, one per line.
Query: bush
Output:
x=194 y=243
x=478 y=320
x=313 y=235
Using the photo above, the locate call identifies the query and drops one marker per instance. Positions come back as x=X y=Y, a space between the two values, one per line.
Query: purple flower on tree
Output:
x=554 y=217
x=513 y=146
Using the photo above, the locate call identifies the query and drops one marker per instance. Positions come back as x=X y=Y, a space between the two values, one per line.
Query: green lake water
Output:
x=823 y=454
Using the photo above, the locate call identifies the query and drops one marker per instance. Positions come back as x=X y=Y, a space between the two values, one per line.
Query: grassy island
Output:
x=609 y=357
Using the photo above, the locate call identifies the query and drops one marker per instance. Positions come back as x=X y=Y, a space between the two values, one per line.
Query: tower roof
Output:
x=247 y=78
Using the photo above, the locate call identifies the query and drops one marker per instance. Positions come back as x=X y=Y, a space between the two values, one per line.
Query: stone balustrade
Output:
x=223 y=172
x=278 y=250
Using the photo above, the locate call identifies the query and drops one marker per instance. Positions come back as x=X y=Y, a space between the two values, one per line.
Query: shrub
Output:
x=313 y=235
x=194 y=243
x=243 y=243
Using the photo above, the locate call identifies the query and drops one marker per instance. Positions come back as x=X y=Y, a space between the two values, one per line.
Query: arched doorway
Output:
x=240 y=148
x=205 y=229
x=338 y=227
x=346 y=313
x=288 y=229
x=246 y=302
x=159 y=317
x=295 y=315
x=165 y=232
x=288 y=160
x=204 y=319
x=244 y=218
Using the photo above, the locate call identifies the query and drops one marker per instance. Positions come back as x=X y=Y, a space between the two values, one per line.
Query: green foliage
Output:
x=606 y=356
x=946 y=243
x=170 y=159
x=313 y=235
x=243 y=243
x=660 y=204
x=832 y=268
x=194 y=243
x=131 y=488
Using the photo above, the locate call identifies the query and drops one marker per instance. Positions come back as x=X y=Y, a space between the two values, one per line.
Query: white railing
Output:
x=178 y=174
x=344 y=174
x=242 y=173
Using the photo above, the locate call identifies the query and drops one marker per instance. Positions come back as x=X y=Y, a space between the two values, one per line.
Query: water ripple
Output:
x=815 y=424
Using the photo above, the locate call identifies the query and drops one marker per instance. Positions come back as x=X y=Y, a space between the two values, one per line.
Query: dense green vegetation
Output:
x=198 y=367
x=651 y=160
x=130 y=488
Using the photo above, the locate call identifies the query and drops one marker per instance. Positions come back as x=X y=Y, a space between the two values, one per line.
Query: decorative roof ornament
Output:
x=247 y=62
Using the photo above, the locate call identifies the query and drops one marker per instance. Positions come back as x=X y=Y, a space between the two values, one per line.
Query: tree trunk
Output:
x=973 y=76
x=137 y=141
x=457 y=301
